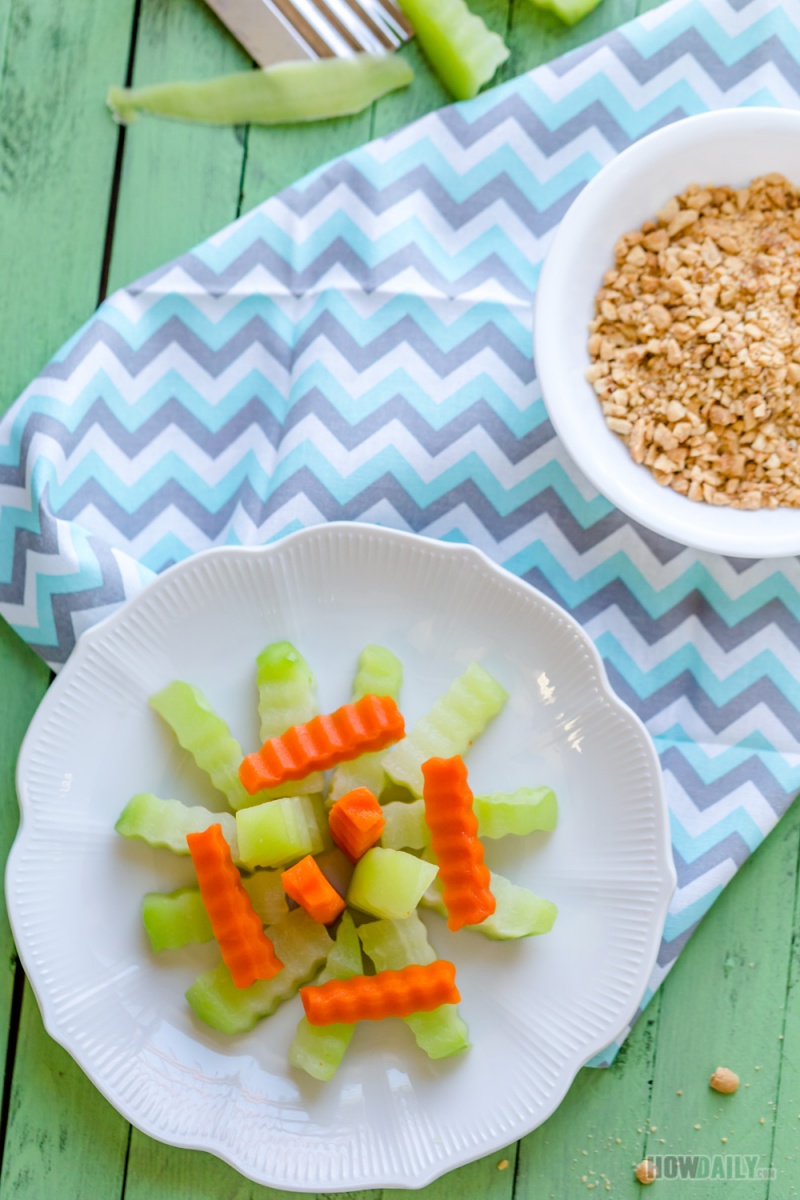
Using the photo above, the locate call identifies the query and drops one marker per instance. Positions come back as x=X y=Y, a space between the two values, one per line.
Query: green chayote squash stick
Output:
x=288 y=92
x=392 y=945
x=319 y=1049
x=463 y=52
x=379 y=673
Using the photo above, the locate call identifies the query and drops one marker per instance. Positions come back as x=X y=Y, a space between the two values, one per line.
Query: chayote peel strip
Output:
x=286 y=93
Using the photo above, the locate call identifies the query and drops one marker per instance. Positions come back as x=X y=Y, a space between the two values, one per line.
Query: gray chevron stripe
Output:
x=172 y=414
x=733 y=847
x=653 y=629
x=773 y=614
x=108 y=591
x=548 y=503
x=716 y=717
x=255 y=413
x=405 y=332
x=513 y=108
x=752 y=771
x=499 y=525
x=420 y=181
x=433 y=441
x=741 y=565
x=369 y=276
x=170 y=496
x=173 y=332
x=669 y=951
x=689 y=45
x=387 y=489
x=42 y=540
x=616 y=595
x=302 y=482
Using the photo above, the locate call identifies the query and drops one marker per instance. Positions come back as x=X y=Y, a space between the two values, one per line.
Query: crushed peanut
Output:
x=724 y=1081
x=646 y=1171
x=695 y=345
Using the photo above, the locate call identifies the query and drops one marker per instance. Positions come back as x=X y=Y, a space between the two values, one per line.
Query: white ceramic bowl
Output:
x=732 y=147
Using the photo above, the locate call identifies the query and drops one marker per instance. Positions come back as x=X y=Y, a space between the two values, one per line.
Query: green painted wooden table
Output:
x=84 y=209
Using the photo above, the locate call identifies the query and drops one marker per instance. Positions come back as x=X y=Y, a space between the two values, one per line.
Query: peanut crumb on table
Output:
x=695 y=345
x=646 y=1171
x=503 y=1164
x=723 y=1080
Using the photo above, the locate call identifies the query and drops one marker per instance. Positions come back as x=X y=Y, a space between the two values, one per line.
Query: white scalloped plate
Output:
x=537 y=1009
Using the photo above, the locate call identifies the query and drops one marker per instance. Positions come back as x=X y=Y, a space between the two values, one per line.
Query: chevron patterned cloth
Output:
x=359 y=348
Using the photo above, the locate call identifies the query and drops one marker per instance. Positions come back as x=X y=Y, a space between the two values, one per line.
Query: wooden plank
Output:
x=491 y=1178
x=25 y=679
x=171 y=1174
x=598 y=1131
x=64 y=1138
x=5 y=18
x=724 y=1005
x=57 y=152
x=785 y=1118
x=180 y=182
x=537 y=36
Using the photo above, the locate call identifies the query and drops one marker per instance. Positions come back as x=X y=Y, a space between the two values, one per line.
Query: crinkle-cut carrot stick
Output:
x=456 y=847
x=386 y=994
x=356 y=822
x=246 y=950
x=306 y=884
x=369 y=724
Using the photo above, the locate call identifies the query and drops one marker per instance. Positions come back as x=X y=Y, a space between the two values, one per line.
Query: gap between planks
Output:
x=116 y=178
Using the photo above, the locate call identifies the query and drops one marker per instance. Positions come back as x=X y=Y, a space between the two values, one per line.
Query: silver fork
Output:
x=275 y=30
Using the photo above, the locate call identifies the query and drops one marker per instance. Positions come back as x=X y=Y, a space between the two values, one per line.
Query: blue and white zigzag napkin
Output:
x=359 y=348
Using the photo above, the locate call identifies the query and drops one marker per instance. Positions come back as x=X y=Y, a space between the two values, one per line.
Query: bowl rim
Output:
x=698 y=526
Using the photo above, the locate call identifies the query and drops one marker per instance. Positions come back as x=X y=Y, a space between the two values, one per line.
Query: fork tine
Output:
x=306 y=30
x=334 y=21
x=396 y=17
x=377 y=31
x=331 y=27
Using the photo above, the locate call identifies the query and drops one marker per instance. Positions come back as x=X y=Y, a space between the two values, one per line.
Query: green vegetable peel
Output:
x=288 y=92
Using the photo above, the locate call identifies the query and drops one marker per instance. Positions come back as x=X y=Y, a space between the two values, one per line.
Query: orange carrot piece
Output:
x=246 y=950
x=455 y=843
x=306 y=884
x=356 y=822
x=369 y=724
x=386 y=994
